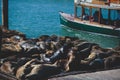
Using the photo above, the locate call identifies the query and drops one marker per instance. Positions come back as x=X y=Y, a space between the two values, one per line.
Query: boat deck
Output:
x=93 y=23
x=78 y=20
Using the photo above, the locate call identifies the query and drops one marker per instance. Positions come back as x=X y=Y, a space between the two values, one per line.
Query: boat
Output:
x=97 y=16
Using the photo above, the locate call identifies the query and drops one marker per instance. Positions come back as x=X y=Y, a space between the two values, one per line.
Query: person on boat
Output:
x=85 y=17
x=95 y=16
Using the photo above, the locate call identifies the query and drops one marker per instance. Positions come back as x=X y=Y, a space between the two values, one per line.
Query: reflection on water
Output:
x=103 y=40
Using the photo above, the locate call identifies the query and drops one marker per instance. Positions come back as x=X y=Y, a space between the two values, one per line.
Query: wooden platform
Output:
x=101 y=75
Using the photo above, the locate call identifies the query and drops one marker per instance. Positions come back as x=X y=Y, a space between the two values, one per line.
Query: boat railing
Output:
x=103 y=2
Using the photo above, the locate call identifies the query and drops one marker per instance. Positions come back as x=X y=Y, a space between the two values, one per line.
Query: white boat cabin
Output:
x=103 y=12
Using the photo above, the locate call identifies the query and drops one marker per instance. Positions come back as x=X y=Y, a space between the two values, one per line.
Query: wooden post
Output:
x=5 y=14
x=0 y=38
x=109 y=16
x=99 y=16
x=119 y=39
x=75 y=10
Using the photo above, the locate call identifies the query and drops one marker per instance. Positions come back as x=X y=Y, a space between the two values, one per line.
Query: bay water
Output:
x=41 y=17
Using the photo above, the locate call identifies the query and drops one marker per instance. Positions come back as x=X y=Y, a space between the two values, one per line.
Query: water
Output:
x=40 y=17
x=0 y=12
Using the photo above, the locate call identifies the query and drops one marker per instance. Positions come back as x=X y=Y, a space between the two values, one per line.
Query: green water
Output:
x=103 y=40
x=40 y=17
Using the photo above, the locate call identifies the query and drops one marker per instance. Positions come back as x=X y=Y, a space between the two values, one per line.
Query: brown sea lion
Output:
x=42 y=71
x=8 y=67
x=112 y=61
x=20 y=73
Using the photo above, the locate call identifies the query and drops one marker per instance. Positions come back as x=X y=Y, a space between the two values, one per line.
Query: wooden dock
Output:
x=101 y=75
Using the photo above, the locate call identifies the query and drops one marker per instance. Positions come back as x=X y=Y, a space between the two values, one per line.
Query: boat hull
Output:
x=85 y=27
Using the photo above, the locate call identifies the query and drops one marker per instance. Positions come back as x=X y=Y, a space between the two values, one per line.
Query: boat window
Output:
x=118 y=15
x=79 y=12
x=117 y=21
x=95 y=15
x=87 y=10
x=86 y=13
x=93 y=10
x=104 y=13
x=113 y=15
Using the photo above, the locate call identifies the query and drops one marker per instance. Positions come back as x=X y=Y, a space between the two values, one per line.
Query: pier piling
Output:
x=5 y=14
x=0 y=39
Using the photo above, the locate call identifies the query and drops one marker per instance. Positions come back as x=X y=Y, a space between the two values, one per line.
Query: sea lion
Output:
x=23 y=69
x=42 y=71
x=112 y=61
x=8 y=67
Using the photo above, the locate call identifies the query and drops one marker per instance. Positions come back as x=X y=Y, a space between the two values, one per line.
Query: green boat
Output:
x=94 y=16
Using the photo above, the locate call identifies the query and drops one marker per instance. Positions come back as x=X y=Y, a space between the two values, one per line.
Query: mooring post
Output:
x=119 y=39
x=0 y=38
x=5 y=14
